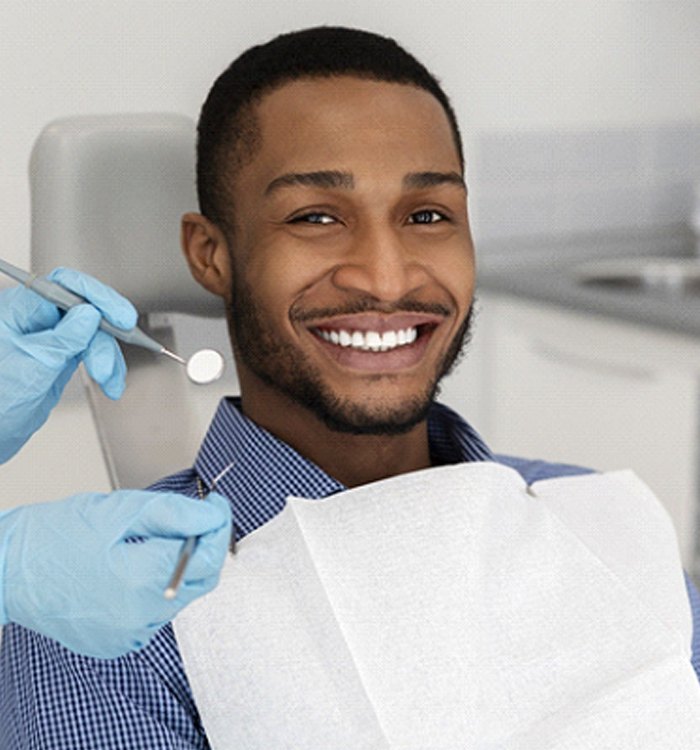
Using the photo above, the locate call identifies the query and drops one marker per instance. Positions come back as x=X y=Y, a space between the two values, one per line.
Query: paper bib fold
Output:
x=447 y=609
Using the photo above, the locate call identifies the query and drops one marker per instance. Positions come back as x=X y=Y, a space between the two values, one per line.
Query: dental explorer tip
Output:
x=172 y=355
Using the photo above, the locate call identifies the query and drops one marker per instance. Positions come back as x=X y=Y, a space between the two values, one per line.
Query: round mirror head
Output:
x=205 y=366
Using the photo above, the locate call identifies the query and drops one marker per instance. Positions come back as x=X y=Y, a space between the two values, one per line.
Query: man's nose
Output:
x=381 y=264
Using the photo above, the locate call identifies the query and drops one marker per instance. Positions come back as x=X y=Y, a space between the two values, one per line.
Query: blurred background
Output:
x=581 y=122
x=577 y=115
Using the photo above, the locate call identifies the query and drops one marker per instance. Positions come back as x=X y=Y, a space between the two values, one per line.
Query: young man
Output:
x=334 y=227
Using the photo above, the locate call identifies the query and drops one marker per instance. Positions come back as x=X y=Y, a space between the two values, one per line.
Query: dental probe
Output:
x=187 y=550
x=65 y=299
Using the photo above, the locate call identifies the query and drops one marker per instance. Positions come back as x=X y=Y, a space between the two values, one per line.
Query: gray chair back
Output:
x=107 y=194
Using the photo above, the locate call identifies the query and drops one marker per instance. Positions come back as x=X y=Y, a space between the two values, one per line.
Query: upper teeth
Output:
x=369 y=340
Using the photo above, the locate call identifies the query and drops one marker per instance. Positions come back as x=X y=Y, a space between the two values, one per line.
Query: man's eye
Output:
x=426 y=217
x=313 y=218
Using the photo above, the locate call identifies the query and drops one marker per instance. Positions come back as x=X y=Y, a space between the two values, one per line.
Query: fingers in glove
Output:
x=178 y=516
x=193 y=589
x=24 y=311
x=146 y=568
x=115 y=307
x=105 y=364
x=69 y=338
x=209 y=555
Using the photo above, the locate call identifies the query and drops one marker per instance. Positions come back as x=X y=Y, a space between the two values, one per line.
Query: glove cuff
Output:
x=7 y=522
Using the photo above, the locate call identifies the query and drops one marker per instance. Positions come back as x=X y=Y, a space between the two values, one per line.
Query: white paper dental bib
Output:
x=451 y=609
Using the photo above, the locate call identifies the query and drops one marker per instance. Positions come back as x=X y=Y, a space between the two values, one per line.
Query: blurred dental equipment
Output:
x=204 y=366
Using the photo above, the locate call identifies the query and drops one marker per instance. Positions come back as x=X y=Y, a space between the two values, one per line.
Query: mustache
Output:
x=368 y=304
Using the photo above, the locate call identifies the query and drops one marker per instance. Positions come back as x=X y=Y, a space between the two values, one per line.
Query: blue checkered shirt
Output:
x=53 y=699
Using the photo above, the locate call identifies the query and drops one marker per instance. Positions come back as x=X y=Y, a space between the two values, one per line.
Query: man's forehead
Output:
x=309 y=131
x=343 y=107
x=330 y=100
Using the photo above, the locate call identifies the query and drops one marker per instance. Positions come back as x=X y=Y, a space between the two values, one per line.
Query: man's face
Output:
x=352 y=260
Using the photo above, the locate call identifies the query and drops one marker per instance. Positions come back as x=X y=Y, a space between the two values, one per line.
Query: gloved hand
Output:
x=40 y=350
x=67 y=571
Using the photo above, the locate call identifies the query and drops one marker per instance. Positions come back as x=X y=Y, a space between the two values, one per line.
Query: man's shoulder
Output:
x=533 y=470
x=182 y=481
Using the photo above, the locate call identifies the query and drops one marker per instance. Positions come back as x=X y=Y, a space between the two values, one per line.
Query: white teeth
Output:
x=373 y=340
x=369 y=340
x=389 y=339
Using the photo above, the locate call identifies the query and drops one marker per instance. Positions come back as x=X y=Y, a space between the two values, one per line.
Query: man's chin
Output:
x=360 y=419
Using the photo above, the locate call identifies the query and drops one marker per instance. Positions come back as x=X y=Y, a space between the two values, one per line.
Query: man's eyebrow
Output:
x=419 y=180
x=322 y=179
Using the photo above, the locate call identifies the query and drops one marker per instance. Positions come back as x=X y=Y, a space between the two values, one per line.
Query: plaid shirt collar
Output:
x=257 y=471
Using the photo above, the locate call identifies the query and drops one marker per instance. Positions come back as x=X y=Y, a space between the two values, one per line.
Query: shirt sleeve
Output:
x=53 y=698
x=694 y=598
x=535 y=470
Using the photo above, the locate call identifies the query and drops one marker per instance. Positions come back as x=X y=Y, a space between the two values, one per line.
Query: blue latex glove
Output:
x=40 y=348
x=67 y=571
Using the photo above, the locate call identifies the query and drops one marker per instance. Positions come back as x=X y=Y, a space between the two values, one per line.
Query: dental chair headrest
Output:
x=107 y=195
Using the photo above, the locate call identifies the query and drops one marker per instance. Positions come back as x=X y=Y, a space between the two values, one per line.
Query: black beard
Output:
x=289 y=371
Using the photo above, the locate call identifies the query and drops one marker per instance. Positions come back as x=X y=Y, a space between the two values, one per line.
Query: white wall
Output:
x=508 y=65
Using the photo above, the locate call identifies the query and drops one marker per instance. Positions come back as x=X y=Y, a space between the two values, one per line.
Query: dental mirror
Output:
x=205 y=366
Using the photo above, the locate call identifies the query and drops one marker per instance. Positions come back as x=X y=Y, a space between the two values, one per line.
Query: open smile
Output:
x=374 y=343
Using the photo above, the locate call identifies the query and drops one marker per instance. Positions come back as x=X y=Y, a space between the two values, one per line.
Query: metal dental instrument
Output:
x=65 y=299
x=203 y=367
x=188 y=547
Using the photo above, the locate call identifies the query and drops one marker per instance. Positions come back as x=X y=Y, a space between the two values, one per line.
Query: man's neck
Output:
x=351 y=459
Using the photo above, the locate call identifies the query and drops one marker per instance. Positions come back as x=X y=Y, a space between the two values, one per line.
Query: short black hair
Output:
x=227 y=132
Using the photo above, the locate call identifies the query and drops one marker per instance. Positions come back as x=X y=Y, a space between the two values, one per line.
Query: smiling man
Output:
x=334 y=227
x=348 y=274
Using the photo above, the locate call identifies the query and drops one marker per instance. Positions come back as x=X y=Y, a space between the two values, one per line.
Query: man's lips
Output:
x=374 y=332
x=376 y=342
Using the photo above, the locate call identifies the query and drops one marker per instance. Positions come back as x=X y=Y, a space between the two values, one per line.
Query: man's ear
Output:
x=207 y=254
